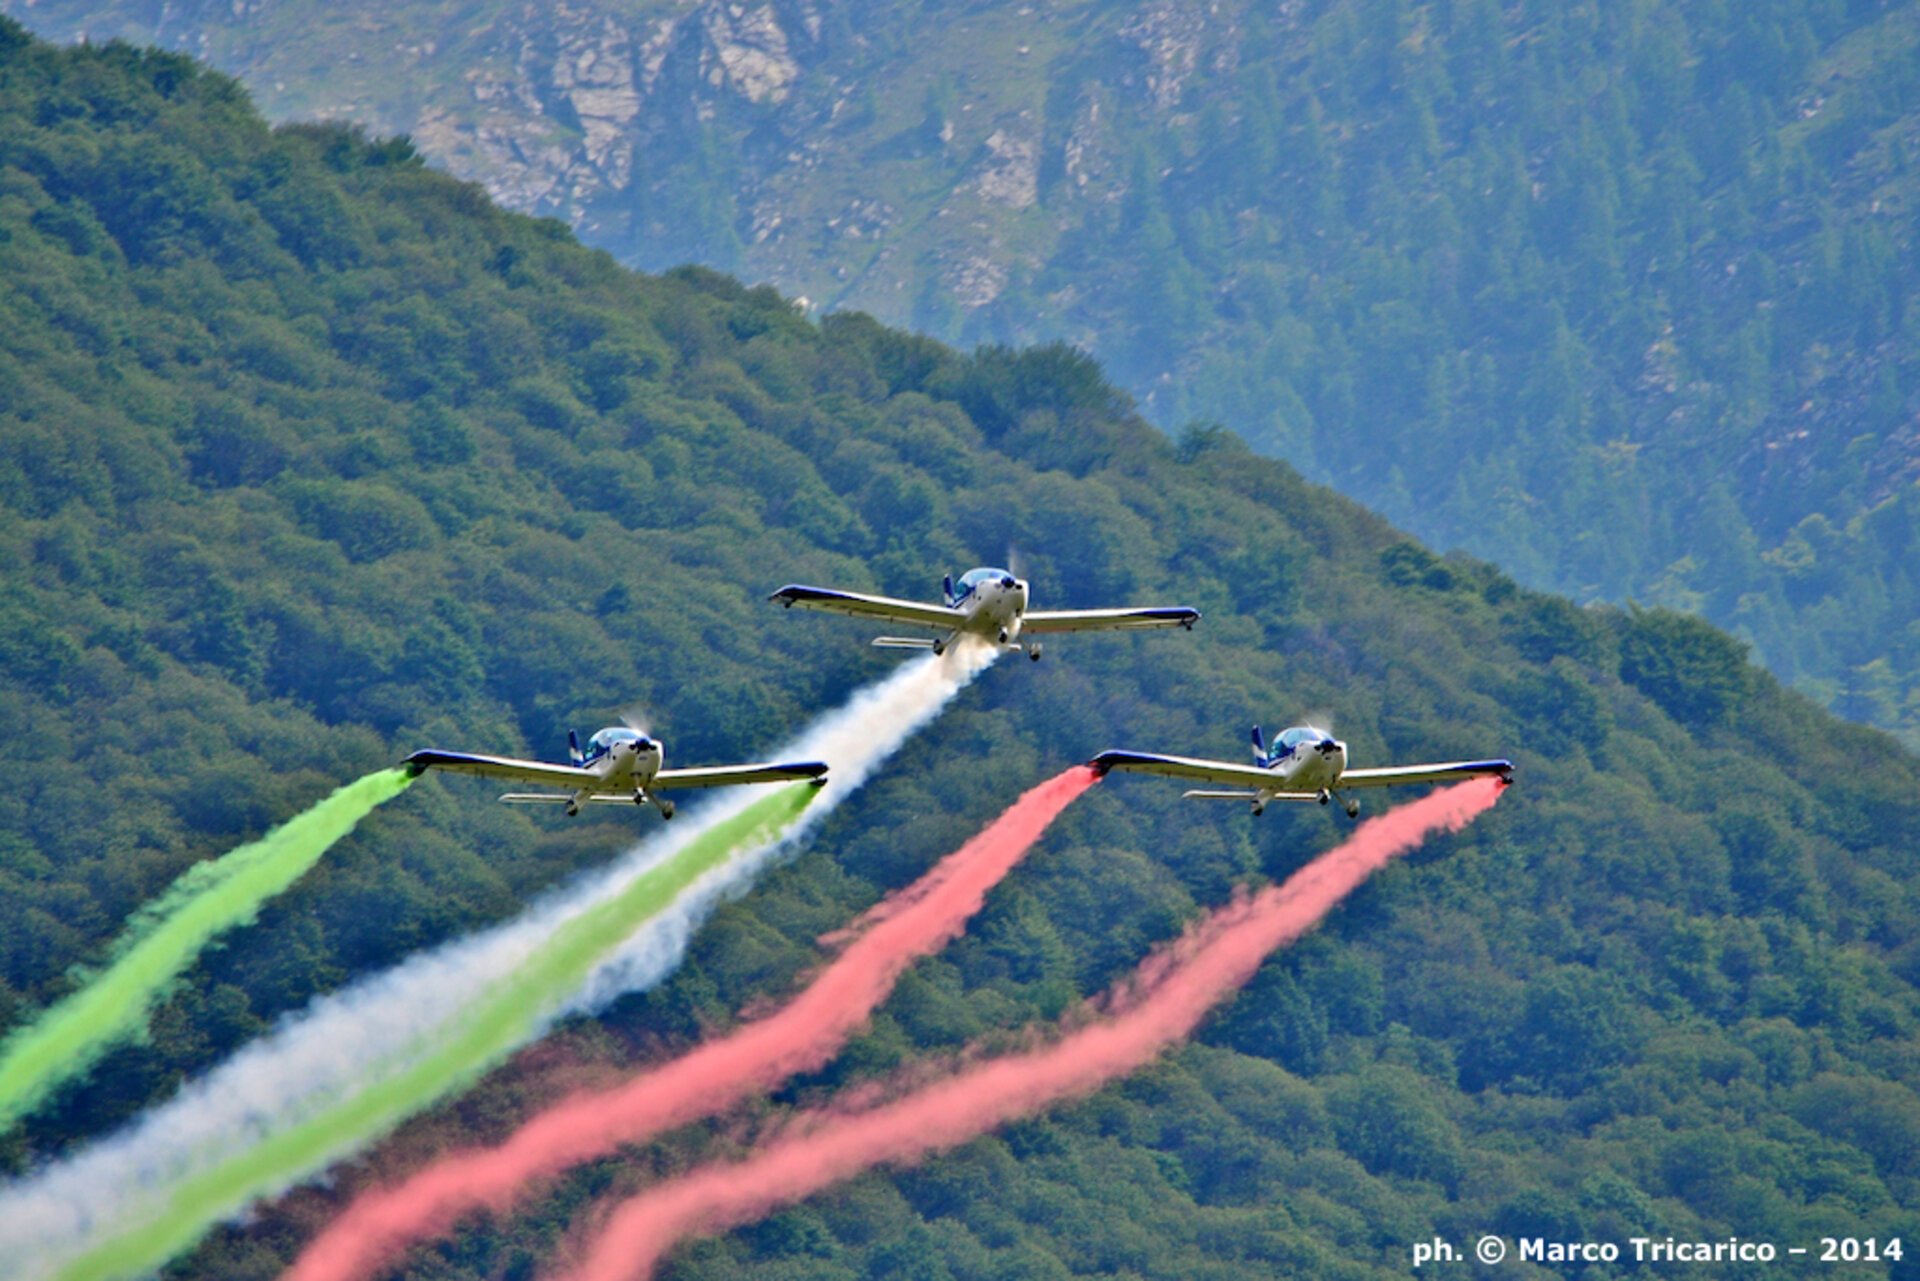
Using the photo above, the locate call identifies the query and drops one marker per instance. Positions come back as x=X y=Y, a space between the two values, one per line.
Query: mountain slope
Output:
x=1615 y=295
x=311 y=456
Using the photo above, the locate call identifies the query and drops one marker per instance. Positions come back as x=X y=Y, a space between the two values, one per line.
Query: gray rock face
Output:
x=561 y=96
x=746 y=51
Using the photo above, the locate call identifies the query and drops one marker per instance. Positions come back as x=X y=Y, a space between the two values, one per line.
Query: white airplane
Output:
x=988 y=603
x=620 y=765
x=1306 y=764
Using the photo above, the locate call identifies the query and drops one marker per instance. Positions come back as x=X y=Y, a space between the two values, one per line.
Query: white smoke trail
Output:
x=351 y=1041
x=853 y=741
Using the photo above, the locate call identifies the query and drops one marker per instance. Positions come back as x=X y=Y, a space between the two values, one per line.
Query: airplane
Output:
x=988 y=603
x=1306 y=764
x=620 y=765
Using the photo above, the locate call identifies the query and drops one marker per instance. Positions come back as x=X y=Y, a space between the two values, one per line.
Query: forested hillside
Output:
x=1615 y=295
x=310 y=456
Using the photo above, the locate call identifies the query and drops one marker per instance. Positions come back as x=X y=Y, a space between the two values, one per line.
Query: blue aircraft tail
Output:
x=1260 y=756
x=946 y=589
x=574 y=753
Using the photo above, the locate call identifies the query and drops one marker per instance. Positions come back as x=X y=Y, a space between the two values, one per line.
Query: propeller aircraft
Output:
x=987 y=603
x=619 y=765
x=1306 y=764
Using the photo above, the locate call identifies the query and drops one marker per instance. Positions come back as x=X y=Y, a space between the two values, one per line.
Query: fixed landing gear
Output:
x=1259 y=808
x=1348 y=803
x=1033 y=651
x=665 y=807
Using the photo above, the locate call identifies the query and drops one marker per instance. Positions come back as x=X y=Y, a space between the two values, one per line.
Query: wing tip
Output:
x=1110 y=759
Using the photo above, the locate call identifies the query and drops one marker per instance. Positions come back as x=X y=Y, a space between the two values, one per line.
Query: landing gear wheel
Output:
x=666 y=809
x=1352 y=808
x=1259 y=808
x=1033 y=652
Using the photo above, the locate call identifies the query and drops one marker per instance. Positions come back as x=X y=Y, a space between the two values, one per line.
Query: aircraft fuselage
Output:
x=630 y=764
x=994 y=602
x=626 y=760
x=1308 y=765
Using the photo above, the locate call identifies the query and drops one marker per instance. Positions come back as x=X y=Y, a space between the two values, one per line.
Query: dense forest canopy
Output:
x=1612 y=294
x=310 y=456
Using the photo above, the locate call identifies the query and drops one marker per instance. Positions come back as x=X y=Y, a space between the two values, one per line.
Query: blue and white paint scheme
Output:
x=1306 y=763
x=618 y=764
x=988 y=603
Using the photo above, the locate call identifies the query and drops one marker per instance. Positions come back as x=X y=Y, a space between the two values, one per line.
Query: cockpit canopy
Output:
x=973 y=578
x=1295 y=738
x=602 y=742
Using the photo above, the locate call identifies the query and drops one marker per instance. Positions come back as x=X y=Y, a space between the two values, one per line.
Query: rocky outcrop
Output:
x=1170 y=33
x=1010 y=165
x=747 y=51
x=561 y=95
x=596 y=78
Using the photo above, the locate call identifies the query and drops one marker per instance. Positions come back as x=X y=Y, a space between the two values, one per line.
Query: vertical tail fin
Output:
x=574 y=753
x=946 y=589
x=1260 y=757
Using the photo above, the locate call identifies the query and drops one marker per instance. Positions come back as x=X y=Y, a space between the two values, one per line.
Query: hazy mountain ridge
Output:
x=1613 y=296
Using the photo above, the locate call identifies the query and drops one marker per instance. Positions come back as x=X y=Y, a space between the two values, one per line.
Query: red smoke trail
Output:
x=1162 y=1003
x=800 y=1037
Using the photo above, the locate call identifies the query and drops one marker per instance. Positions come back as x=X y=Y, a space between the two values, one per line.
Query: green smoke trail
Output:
x=504 y=1018
x=164 y=937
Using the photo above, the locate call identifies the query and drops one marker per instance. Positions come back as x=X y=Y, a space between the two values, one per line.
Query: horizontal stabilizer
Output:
x=1204 y=795
x=561 y=798
x=904 y=642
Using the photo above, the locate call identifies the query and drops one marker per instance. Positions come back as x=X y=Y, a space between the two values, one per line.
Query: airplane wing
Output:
x=1094 y=620
x=727 y=775
x=571 y=776
x=1253 y=776
x=1451 y=772
x=858 y=605
x=1188 y=767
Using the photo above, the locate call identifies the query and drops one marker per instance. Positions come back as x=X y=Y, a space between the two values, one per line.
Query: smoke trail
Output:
x=261 y=1121
x=165 y=936
x=1163 y=1002
x=499 y=1020
x=802 y=1036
